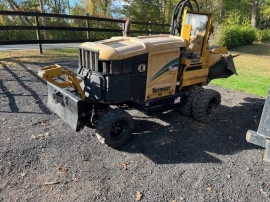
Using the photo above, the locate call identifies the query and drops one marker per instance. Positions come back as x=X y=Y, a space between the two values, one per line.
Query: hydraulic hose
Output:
x=178 y=11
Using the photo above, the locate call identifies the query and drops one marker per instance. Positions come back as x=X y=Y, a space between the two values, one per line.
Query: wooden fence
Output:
x=124 y=29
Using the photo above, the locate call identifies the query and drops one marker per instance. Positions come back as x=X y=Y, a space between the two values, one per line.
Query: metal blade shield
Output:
x=66 y=105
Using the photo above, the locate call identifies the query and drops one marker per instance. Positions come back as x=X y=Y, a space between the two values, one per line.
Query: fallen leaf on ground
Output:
x=45 y=123
x=97 y=192
x=50 y=183
x=41 y=136
x=62 y=169
x=182 y=198
x=33 y=137
x=74 y=179
x=81 y=159
x=124 y=165
x=139 y=195
x=209 y=188
x=23 y=174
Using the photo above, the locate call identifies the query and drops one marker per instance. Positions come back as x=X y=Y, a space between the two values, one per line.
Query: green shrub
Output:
x=249 y=35
x=263 y=35
x=237 y=30
x=237 y=35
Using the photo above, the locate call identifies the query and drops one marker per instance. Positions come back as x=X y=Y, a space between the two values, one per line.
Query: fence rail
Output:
x=88 y=29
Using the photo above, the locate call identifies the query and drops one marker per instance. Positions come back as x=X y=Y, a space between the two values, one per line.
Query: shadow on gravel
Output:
x=11 y=99
x=34 y=74
x=187 y=141
x=12 y=104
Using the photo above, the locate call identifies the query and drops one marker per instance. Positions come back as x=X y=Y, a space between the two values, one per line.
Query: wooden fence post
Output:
x=38 y=35
x=87 y=26
x=150 y=27
x=126 y=27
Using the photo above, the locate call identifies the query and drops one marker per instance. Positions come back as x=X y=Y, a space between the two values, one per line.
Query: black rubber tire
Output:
x=185 y=109
x=205 y=105
x=114 y=127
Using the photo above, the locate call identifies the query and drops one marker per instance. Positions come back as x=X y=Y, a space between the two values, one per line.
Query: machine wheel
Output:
x=205 y=105
x=114 y=127
x=185 y=109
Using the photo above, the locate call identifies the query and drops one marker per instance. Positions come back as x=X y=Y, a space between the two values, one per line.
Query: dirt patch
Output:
x=169 y=158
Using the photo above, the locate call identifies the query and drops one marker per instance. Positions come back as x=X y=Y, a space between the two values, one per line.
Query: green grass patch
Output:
x=33 y=56
x=253 y=68
x=245 y=82
x=66 y=52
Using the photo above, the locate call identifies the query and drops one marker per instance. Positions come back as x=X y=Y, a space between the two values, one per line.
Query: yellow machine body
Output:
x=149 y=73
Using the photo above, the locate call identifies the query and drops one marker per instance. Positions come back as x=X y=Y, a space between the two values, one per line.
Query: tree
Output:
x=264 y=14
x=16 y=7
x=101 y=8
x=41 y=6
x=254 y=13
x=144 y=10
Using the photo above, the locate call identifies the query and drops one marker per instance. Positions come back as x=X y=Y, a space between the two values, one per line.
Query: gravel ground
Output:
x=169 y=158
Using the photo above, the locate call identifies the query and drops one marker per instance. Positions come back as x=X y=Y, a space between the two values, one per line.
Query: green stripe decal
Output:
x=165 y=68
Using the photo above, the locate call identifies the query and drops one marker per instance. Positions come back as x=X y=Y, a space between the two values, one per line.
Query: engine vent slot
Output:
x=88 y=59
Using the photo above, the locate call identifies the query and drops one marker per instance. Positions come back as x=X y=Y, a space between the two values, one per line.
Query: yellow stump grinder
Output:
x=151 y=74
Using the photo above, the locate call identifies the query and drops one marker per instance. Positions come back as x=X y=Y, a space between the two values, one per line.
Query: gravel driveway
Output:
x=169 y=158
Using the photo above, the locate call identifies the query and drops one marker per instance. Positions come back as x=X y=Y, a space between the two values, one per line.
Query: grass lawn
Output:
x=31 y=56
x=253 y=65
x=253 y=68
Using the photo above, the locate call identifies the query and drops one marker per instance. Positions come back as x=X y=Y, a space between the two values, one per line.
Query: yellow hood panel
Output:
x=118 y=48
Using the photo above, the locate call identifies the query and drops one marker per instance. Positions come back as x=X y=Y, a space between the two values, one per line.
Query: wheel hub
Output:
x=211 y=107
x=118 y=129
